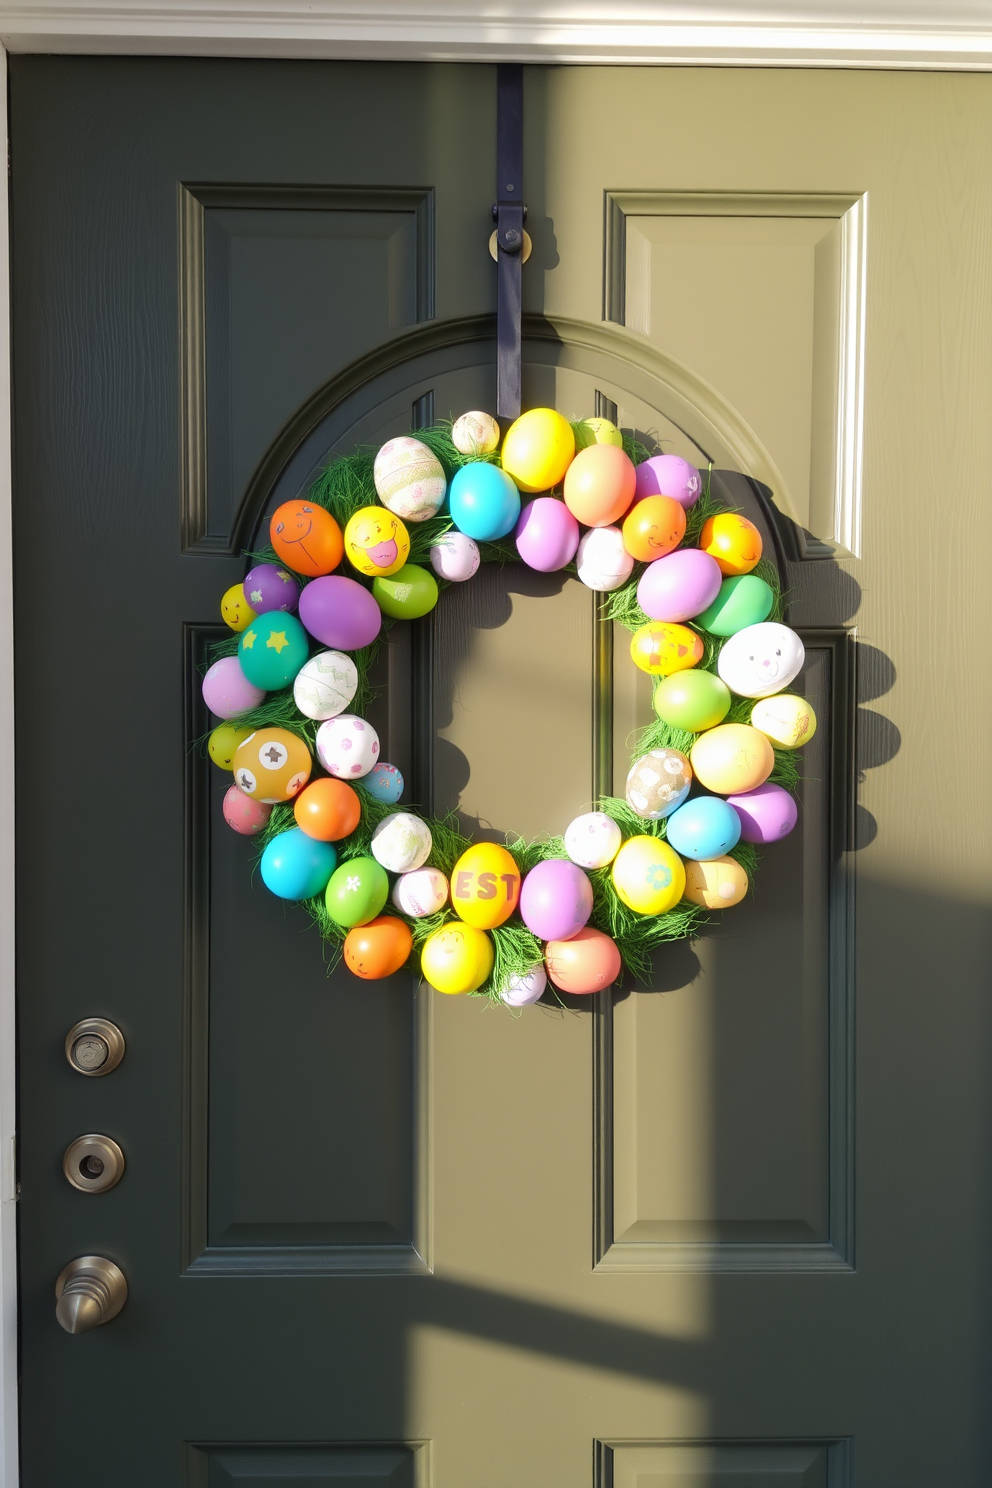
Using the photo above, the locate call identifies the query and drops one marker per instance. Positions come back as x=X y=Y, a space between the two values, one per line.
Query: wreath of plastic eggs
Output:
x=610 y=515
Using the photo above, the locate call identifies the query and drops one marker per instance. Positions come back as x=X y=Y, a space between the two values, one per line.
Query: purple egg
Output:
x=555 y=900
x=766 y=814
x=668 y=475
x=680 y=585
x=227 y=691
x=547 y=534
x=269 y=587
x=340 y=613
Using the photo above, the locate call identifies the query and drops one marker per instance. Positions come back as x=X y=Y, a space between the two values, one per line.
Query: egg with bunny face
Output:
x=761 y=659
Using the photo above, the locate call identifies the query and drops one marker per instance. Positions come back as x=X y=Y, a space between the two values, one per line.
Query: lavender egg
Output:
x=268 y=587
x=523 y=988
x=547 y=534
x=767 y=813
x=455 y=557
x=555 y=900
x=680 y=585
x=340 y=613
x=668 y=475
x=227 y=691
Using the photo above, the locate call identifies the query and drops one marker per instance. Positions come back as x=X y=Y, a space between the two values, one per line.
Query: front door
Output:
x=725 y=1229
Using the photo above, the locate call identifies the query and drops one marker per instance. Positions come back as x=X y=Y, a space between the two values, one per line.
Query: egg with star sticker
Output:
x=347 y=746
x=272 y=765
x=376 y=542
x=356 y=892
x=272 y=650
x=235 y=609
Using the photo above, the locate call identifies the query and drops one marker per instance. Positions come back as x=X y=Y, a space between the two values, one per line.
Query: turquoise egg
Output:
x=295 y=866
x=705 y=827
x=272 y=650
x=742 y=601
x=357 y=892
x=483 y=501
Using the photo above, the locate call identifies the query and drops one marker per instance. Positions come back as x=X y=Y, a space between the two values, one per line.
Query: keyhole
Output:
x=91 y=1167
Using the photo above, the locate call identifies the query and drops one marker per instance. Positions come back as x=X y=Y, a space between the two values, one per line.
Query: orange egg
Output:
x=733 y=541
x=599 y=485
x=654 y=527
x=379 y=948
x=328 y=810
x=306 y=538
x=587 y=962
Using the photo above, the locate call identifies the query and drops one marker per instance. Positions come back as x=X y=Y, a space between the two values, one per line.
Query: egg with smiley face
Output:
x=235 y=609
x=761 y=659
x=376 y=542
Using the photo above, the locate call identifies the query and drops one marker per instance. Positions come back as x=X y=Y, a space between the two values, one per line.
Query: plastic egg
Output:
x=657 y=783
x=227 y=691
x=653 y=528
x=715 y=883
x=522 y=988
x=669 y=475
x=593 y=839
x=272 y=765
x=325 y=685
x=457 y=958
x=679 y=586
x=692 y=700
x=766 y=814
x=555 y=898
x=295 y=866
x=340 y=612
x=347 y=746
x=401 y=842
x=538 y=449
x=268 y=586
x=546 y=535
x=376 y=541
x=661 y=648
x=485 y=885
x=599 y=485
x=235 y=609
x=475 y=434
x=272 y=650
x=761 y=660
x=603 y=562
x=484 y=502
x=306 y=538
x=384 y=782
x=596 y=431
x=648 y=875
x=356 y=892
x=741 y=602
x=327 y=810
x=732 y=540
x=406 y=594
x=732 y=757
x=587 y=962
x=223 y=744
x=422 y=892
x=705 y=827
x=242 y=814
x=409 y=479
x=378 y=949
x=455 y=557
x=788 y=721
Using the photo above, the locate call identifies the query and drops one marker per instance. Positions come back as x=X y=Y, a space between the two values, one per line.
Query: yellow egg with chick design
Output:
x=376 y=542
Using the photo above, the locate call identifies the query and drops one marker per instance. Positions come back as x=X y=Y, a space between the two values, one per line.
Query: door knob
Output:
x=90 y=1291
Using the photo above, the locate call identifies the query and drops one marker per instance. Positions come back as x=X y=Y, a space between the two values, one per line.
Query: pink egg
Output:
x=547 y=534
x=767 y=813
x=246 y=816
x=227 y=691
x=668 y=475
x=680 y=585
x=555 y=899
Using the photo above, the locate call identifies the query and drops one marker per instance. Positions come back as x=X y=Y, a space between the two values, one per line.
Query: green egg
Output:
x=356 y=892
x=743 y=600
x=272 y=650
x=407 y=594
x=692 y=700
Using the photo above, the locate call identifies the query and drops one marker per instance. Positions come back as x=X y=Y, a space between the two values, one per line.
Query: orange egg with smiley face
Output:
x=654 y=528
x=376 y=542
x=306 y=538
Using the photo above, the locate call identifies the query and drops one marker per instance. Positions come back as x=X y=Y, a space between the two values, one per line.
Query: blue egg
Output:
x=484 y=502
x=384 y=782
x=703 y=828
x=295 y=866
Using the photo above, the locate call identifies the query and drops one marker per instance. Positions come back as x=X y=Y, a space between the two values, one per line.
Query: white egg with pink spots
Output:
x=422 y=892
x=593 y=839
x=347 y=746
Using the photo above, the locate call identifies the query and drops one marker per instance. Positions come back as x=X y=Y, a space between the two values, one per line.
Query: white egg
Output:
x=325 y=684
x=761 y=659
x=402 y=842
x=422 y=892
x=524 y=987
x=603 y=561
x=347 y=746
x=409 y=479
x=475 y=433
x=455 y=557
x=593 y=839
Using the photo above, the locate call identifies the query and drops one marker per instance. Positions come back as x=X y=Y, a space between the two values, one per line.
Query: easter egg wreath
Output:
x=380 y=534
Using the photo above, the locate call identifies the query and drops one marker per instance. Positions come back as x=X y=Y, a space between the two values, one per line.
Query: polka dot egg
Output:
x=658 y=783
x=592 y=840
x=347 y=746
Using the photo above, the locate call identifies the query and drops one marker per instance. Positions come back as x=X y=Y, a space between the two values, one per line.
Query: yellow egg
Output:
x=662 y=648
x=456 y=958
x=715 y=883
x=224 y=743
x=272 y=765
x=732 y=757
x=787 y=720
x=235 y=609
x=485 y=886
x=648 y=875
x=376 y=542
x=538 y=449
x=596 y=431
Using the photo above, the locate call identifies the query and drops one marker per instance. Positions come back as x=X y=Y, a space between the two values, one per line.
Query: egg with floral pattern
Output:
x=347 y=746
x=658 y=783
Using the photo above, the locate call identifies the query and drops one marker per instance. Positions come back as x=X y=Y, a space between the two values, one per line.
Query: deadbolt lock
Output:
x=89 y=1291
x=93 y=1163
x=94 y=1046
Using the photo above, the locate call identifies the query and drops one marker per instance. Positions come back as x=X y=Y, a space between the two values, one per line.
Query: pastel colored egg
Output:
x=766 y=814
x=328 y=810
x=788 y=721
x=269 y=586
x=485 y=885
x=384 y=782
x=732 y=540
x=593 y=839
x=235 y=609
x=537 y=450
x=596 y=431
x=376 y=541
x=653 y=528
x=272 y=765
x=587 y=962
x=523 y=988
x=227 y=691
x=347 y=746
x=648 y=875
x=356 y=892
x=422 y=892
x=242 y=814
x=475 y=434
x=661 y=648
x=692 y=700
x=742 y=601
x=705 y=827
x=401 y=842
x=455 y=557
x=272 y=650
x=669 y=475
x=546 y=535
x=555 y=899
x=409 y=479
x=715 y=883
x=484 y=502
x=657 y=783
x=295 y=866
x=599 y=485
x=223 y=744
x=732 y=757
x=679 y=586
x=378 y=949
x=306 y=538
x=761 y=660
x=325 y=685
x=340 y=612
x=603 y=562
x=457 y=958
x=407 y=594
